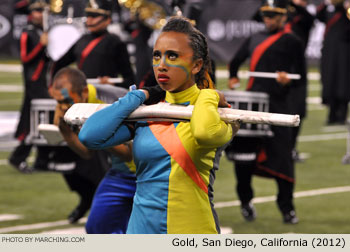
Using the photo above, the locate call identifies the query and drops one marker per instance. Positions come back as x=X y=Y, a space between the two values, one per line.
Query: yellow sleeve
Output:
x=206 y=125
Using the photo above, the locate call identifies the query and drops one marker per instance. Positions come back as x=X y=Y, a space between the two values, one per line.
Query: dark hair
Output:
x=199 y=45
x=76 y=77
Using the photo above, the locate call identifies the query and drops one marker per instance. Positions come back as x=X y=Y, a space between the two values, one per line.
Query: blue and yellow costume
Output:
x=113 y=199
x=175 y=162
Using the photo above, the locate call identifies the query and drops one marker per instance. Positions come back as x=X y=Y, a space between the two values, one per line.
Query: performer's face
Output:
x=173 y=64
x=274 y=23
x=97 y=23
x=62 y=92
x=37 y=17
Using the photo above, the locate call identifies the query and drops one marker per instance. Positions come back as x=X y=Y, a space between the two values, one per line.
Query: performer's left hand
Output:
x=222 y=101
x=65 y=129
x=44 y=39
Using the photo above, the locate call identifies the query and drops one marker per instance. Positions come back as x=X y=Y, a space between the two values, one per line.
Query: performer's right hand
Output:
x=105 y=80
x=44 y=39
x=282 y=78
x=61 y=109
x=233 y=83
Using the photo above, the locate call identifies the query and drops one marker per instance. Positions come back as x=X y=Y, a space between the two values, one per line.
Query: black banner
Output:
x=227 y=23
x=6 y=16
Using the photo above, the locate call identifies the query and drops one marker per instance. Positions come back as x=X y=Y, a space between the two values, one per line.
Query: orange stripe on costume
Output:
x=259 y=51
x=167 y=136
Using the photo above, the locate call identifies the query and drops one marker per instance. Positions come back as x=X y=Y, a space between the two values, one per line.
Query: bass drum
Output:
x=61 y=38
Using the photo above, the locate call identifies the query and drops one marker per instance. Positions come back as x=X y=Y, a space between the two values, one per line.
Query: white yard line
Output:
x=10 y=217
x=313 y=100
x=11 y=88
x=322 y=137
x=11 y=68
x=301 y=194
x=335 y=128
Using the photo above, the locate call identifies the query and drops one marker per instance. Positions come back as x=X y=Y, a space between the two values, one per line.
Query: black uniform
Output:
x=100 y=54
x=269 y=52
x=300 y=22
x=35 y=63
x=335 y=62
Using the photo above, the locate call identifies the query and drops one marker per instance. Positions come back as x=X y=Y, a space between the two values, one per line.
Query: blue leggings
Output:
x=112 y=204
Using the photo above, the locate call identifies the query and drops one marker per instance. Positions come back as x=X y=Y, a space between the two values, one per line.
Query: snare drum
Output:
x=253 y=101
x=61 y=38
x=41 y=112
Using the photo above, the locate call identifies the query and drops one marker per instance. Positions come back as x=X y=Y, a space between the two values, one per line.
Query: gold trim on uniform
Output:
x=274 y=9
x=99 y=11
x=38 y=5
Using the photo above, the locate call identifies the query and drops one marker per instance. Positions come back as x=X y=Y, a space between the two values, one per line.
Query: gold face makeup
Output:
x=173 y=59
x=173 y=62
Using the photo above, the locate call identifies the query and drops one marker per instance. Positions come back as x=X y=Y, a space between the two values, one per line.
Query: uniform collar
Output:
x=92 y=98
x=186 y=97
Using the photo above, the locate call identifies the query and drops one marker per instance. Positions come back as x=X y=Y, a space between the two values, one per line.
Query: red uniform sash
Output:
x=88 y=50
x=260 y=50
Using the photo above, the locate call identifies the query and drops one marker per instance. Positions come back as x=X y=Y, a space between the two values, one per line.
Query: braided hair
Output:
x=199 y=45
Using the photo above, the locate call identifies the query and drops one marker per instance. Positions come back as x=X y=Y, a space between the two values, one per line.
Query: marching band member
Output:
x=175 y=161
x=33 y=44
x=335 y=65
x=273 y=50
x=99 y=54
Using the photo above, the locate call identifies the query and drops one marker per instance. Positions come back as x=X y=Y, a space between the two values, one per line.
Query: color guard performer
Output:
x=175 y=161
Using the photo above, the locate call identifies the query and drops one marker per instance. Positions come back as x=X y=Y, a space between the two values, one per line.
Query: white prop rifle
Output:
x=80 y=112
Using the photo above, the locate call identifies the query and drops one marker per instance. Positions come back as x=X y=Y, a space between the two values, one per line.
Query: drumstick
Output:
x=46 y=19
x=80 y=112
x=273 y=75
x=97 y=81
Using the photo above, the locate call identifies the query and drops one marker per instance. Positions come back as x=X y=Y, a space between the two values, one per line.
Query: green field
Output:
x=44 y=197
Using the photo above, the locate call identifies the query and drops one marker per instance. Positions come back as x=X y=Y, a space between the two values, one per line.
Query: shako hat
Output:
x=37 y=4
x=99 y=7
x=275 y=6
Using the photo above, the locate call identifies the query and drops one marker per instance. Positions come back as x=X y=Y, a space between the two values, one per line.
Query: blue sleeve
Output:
x=104 y=128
